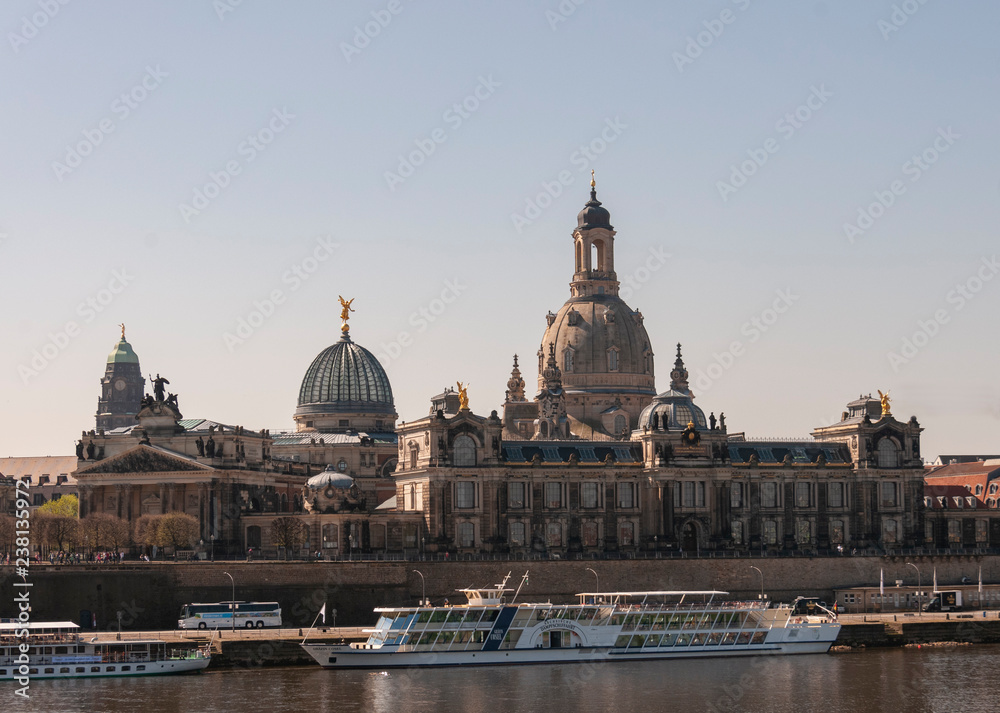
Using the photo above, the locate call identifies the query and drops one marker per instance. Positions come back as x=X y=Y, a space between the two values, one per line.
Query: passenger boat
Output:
x=58 y=651
x=600 y=626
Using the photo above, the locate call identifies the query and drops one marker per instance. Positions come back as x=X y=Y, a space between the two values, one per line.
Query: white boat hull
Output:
x=104 y=670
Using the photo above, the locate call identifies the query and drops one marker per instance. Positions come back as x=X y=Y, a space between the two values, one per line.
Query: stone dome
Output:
x=345 y=378
x=673 y=409
x=330 y=478
x=123 y=354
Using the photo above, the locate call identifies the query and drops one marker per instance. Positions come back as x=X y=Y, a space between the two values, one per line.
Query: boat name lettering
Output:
x=559 y=624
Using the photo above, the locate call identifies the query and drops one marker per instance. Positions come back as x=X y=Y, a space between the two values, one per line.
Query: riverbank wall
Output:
x=150 y=595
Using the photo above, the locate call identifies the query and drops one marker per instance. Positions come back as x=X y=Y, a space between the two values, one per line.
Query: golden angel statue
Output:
x=885 y=403
x=463 y=397
x=345 y=311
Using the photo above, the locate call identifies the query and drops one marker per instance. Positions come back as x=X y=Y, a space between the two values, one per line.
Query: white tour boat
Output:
x=605 y=626
x=56 y=650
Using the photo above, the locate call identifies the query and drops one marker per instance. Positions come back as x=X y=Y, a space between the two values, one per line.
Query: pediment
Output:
x=144 y=459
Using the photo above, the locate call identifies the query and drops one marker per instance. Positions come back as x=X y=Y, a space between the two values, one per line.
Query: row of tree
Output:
x=56 y=526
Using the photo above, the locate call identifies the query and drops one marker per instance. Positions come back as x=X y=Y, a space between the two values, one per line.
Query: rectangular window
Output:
x=770 y=532
x=589 y=534
x=769 y=495
x=626 y=533
x=837 y=532
x=515 y=496
x=835 y=495
x=736 y=495
x=553 y=495
x=889 y=532
x=687 y=488
x=553 y=534
x=981 y=531
x=517 y=534
x=589 y=495
x=626 y=495
x=803 y=532
x=737 y=530
x=890 y=495
x=699 y=494
x=803 y=492
x=466 y=534
x=465 y=495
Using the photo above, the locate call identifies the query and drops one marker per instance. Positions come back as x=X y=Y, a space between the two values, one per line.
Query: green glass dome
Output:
x=345 y=378
x=122 y=354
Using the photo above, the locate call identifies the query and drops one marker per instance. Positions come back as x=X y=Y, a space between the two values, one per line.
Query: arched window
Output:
x=517 y=534
x=889 y=532
x=465 y=450
x=568 y=360
x=979 y=489
x=626 y=533
x=621 y=425
x=737 y=530
x=613 y=359
x=888 y=454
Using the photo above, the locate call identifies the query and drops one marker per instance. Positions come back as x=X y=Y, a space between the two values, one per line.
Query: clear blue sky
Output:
x=301 y=116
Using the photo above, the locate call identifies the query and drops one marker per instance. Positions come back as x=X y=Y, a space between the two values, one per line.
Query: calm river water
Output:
x=929 y=679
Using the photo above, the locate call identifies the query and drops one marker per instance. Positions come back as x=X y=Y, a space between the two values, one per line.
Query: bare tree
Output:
x=7 y=533
x=58 y=531
x=287 y=532
x=147 y=529
x=106 y=531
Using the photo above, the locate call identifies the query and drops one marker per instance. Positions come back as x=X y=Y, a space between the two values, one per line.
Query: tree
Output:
x=147 y=530
x=58 y=531
x=177 y=530
x=105 y=531
x=7 y=533
x=66 y=506
x=287 y=532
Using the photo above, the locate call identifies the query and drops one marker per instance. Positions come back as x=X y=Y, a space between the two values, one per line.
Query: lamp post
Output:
x=212 y=538
x=233 y=603
x=910 y=564
x=761 y=582
x=598 y=580
x=423 y=587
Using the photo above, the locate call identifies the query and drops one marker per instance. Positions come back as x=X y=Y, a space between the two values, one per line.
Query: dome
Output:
x=345 y=378
x=674 y=409
x=330 y=478
x=122 y=354
x=594 y=215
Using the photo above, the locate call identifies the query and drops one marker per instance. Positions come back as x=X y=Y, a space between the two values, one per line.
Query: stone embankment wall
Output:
x=150 y=595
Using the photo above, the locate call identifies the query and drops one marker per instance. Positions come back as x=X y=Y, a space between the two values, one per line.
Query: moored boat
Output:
x=600 y=626
x=56 y=650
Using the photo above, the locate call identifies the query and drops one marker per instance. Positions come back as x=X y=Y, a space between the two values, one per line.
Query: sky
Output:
x=805 y=195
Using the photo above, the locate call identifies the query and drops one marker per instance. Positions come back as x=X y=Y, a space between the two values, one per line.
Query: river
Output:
x=933 y=679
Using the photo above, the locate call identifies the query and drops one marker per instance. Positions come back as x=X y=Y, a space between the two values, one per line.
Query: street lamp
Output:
x=212 y=538
x=910 y=564
x=233 y=603
x=423 y=588
x=761 y=582
x=598 y=580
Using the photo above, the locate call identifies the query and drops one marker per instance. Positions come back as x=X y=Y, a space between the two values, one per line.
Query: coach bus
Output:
x=221 y=615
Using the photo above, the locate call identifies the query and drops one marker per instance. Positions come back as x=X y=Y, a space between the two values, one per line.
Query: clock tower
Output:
x=121 y=388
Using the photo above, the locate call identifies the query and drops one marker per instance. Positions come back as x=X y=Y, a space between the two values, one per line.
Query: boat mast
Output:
x=524 y=580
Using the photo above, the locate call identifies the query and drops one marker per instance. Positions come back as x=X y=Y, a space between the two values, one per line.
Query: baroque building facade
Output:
x=594 y=461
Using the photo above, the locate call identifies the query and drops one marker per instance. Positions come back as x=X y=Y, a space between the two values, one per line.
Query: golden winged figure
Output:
x=345 y=311
x=885 y=403
x=463 y=397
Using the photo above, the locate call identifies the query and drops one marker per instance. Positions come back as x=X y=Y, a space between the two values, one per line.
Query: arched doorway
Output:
x=689 y=537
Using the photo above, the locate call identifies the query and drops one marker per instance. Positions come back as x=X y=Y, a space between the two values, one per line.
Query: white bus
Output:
x=248 y=615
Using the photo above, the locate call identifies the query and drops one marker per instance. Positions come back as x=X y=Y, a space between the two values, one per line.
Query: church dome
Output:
x=330 y=478
x=122 y=354
x=345 y=378
x=672 y=410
